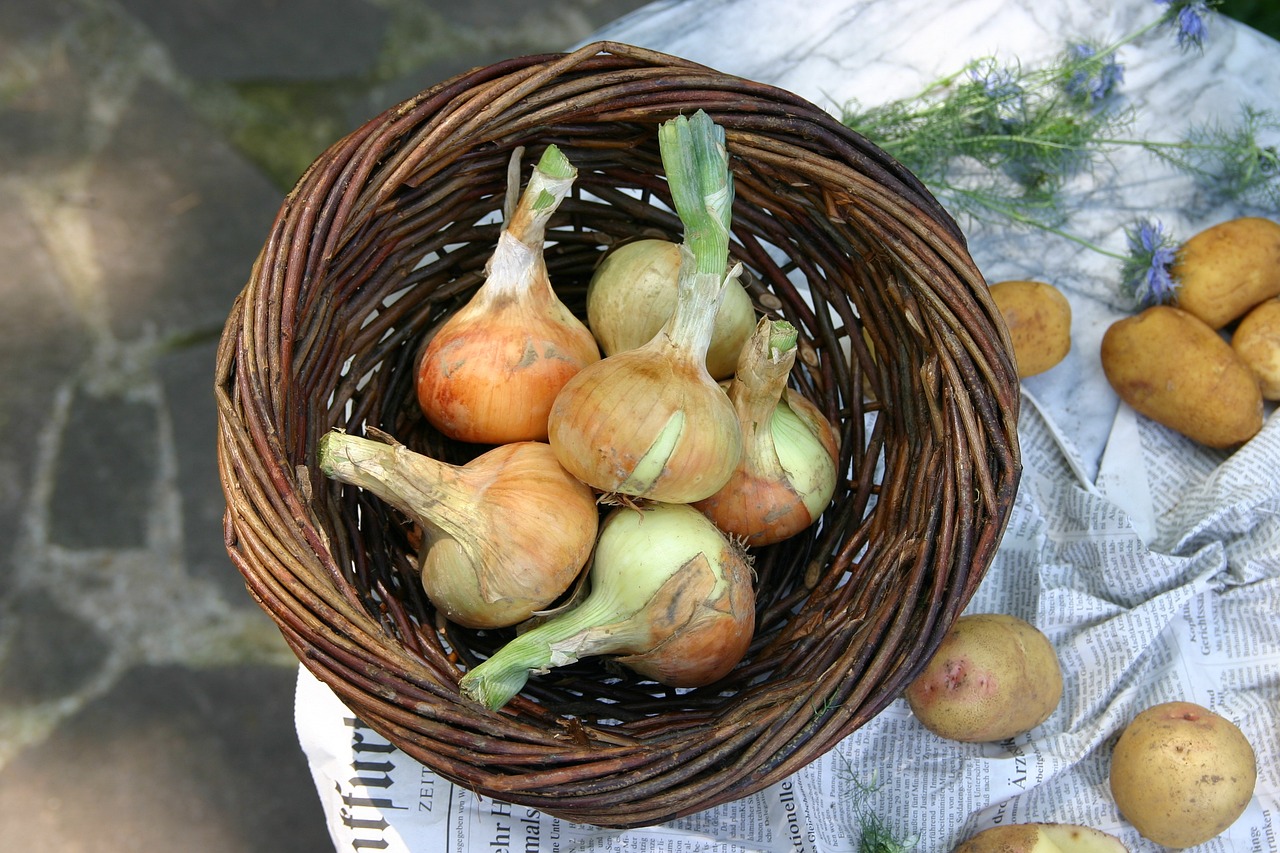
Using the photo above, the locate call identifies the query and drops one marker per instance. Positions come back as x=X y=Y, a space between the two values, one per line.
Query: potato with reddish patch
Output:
x=1042 y=838
x=993 y=677
x=1182 y=774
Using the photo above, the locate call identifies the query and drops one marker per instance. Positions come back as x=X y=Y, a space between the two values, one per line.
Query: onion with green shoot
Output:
x=787 y=473
x=651 y=422
x=492 y=370
x=504 y=536
x=670 y=595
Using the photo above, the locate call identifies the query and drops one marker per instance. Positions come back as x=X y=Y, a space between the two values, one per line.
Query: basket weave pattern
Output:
x=388 y=232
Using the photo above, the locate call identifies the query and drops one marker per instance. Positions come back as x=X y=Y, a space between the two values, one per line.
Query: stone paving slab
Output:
x=146 y=703
x=40 y=331
x=183 y=214
x=184 y=376
x=256 y=40
x=170 y=759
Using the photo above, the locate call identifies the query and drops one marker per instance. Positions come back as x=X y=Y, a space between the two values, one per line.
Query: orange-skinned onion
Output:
x=651 y=422
x=787 y=473
x=490 y=373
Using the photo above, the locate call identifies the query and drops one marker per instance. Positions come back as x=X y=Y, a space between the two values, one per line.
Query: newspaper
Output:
x=1174 y=599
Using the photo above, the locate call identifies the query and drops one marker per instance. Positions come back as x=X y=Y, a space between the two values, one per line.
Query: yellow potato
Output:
x=1182 y=774
x=1042 y=838
x=1039 y=321
x=993 y=677
x=1171 y=367
x=1257 y=341
x=1228 y=268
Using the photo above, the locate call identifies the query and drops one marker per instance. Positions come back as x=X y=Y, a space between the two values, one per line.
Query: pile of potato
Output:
x=1202 y=366
x=1173 y=363
x=1179 y=773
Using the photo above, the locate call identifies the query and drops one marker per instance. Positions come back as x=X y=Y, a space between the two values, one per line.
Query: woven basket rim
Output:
x=341 y=244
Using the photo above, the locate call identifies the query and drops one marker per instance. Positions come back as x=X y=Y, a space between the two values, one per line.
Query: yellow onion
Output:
x=651 y=422
x=492 y=370
x=633 y=292
x=787 y=473
x=504 y=535
x=670 y=595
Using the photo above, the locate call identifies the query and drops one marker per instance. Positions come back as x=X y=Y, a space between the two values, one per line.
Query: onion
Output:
x=504 y=535
x=670 y=594
x=651 y=422
x=633 y=292
x=787 y=473
x=492 y=370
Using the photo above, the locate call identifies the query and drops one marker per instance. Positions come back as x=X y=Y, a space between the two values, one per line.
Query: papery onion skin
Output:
x=678 y=439
x=703 y=634
x=544 y=527
x=669 y=593
x=797 y=414
x=504 y=535
x=491 y=374
x=701 y=619
x=633 y=292
x=760 y=510
x=765 y=508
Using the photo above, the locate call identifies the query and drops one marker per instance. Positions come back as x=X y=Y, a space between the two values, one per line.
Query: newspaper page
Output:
x=377 y=798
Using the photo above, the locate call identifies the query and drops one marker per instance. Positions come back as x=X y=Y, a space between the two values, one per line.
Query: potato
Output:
x=1228 y=268
x=1182 y=774
x=1257 y=341
x=993 y=677
x=1171 y=367
x=1039 y=321
x=1042 y=838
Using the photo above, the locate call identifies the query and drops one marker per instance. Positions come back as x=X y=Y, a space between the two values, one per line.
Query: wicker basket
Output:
x=389 y=231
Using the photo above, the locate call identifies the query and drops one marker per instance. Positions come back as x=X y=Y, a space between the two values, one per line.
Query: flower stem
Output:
x=1020 y=218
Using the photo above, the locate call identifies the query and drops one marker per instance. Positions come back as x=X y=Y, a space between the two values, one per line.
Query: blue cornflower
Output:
x=998 y=82
x=1147 y=271
x=1190 y=17
x=1095 y=79
x=1001 y=87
